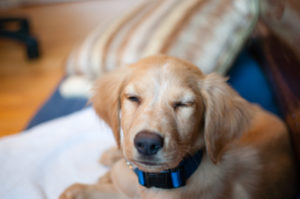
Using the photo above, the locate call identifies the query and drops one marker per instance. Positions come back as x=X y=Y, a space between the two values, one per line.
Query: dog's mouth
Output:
x=151 y=165
x=154 y=163
x=147 y=163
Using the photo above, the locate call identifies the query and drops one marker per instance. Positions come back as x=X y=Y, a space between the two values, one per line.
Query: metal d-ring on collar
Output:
x=171 y=178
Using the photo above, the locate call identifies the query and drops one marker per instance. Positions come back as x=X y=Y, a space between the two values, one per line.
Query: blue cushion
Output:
x=57 y=106
x=247 y=78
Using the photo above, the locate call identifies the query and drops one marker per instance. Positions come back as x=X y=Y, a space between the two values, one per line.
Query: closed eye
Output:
x=134 y=98
x=177 y=105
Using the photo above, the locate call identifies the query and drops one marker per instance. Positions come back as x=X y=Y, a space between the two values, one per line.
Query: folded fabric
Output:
x=206 y=33
x=45 y=160
x=209 y=34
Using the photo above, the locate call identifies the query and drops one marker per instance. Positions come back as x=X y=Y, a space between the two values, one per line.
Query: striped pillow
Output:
x=208 y=33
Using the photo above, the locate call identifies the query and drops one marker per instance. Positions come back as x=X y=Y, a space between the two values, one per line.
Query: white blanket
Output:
x=43 y=161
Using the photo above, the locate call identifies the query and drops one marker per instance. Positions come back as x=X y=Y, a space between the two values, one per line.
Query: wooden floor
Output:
x=24 y=84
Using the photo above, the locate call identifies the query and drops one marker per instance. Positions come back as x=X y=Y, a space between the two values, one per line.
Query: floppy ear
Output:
x=106 y=99
x=226 y=115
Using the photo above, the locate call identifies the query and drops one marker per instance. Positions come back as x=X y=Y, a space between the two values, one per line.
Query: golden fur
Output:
x=247 y=152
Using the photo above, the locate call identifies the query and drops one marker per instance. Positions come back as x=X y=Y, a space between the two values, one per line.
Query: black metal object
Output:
x=22 y=34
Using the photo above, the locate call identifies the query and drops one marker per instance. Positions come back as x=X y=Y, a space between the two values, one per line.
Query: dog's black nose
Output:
x=148 y=143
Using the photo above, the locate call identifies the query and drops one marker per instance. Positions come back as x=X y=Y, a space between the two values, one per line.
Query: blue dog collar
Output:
x=171 y=178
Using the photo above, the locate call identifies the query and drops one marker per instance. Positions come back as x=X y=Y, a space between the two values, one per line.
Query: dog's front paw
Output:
x=76 y=191
x=82 y=191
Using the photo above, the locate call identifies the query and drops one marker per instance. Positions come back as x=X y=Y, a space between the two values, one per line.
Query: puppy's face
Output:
x=167 y=109
x=161 y=114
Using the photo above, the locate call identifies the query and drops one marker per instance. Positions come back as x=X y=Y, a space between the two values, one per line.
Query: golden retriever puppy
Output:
x=183 y=134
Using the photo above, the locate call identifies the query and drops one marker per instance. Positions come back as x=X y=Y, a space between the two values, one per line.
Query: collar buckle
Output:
x=168 y=179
